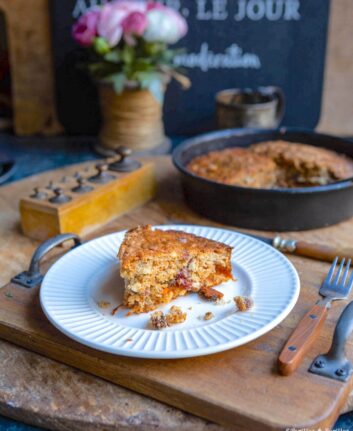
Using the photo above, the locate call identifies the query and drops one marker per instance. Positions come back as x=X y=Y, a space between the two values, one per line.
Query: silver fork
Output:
x=334 y=287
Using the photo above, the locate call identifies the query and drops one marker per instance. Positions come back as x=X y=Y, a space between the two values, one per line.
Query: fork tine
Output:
x=339 y=272
x=331 y=271
x=345 y=274
x=350 y=282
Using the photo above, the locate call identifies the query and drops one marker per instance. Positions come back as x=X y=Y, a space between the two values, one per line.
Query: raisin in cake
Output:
x=159 y=265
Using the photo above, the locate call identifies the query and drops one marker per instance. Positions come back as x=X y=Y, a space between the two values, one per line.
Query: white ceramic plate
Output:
x=89 y=274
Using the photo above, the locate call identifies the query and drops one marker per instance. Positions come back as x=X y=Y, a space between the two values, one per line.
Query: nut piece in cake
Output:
x=103 y=304
x=160 y=265
x=176 y=315
x=243 y=303
x=208 y=316
x=211 y=294
x=159 y=320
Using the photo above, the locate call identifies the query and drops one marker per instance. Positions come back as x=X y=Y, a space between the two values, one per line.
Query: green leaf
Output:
x=152 y=81
x=113 y=56
x=156 y=88
x=154 y=48
x=168 y=55
x=101 y=46
x=118 y=80
x=128 y=54
x=143 y=65
x=103 y=70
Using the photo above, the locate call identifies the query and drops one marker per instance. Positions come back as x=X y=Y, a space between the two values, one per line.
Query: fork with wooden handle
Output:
x=334 y=287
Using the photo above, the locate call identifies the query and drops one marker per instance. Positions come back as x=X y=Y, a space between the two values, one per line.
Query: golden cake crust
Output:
x=305 y=164
x=143 y=242
x=273 y=164
x=159 y=265
x=236 y=166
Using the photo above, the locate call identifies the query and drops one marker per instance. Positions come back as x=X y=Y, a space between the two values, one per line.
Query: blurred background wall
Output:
x=27 y=90
x=337 y=106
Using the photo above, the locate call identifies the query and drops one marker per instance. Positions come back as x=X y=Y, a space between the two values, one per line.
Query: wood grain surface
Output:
x=323 y=251
x=221 y=387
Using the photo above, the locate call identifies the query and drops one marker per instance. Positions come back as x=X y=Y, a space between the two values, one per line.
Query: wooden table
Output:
x=42 y=392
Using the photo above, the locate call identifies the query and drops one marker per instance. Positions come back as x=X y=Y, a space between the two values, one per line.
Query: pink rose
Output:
x=85 y=29
x=135 y=23
x=110 y=25
x=154 y=5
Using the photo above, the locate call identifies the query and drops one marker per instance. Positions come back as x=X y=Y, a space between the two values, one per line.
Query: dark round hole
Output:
x=292 y=348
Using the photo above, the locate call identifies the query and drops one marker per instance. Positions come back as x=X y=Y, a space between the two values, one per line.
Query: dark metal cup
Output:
x=261 y=108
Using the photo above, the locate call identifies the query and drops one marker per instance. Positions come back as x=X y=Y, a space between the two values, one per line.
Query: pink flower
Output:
x=135 y=24
x=110 y=25
x=153 y=5
x=85 y=29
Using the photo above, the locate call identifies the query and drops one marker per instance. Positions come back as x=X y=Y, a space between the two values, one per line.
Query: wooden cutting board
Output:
x=239 y=388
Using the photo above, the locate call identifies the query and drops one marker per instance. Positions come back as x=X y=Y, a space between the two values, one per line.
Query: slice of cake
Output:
x=159 y=265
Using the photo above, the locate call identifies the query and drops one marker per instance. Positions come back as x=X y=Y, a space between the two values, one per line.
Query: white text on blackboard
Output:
x=221 y=10
x=232 y=58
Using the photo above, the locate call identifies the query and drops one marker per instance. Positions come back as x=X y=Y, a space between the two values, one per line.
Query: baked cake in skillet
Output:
x=159 y=265
x=237 y=167
x=305 y=165
x=273 y=164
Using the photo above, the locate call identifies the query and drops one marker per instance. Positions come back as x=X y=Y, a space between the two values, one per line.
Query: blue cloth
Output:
x=10 y=425
x=34 y=155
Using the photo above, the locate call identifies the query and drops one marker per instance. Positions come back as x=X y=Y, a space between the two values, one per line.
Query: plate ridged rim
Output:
x=64 y=300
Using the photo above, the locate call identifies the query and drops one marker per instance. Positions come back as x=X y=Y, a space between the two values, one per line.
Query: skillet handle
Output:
x=32 y=277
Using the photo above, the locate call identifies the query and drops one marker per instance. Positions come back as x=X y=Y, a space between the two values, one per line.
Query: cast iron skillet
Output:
x=263 y=209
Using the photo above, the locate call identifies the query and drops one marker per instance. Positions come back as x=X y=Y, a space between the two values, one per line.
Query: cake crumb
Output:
x=129 y=340
x=220 y=301
x=211 y=294
x=208 y=316
x=175 y=315
x=243 y=303
x=159 y=320
x=103 y=304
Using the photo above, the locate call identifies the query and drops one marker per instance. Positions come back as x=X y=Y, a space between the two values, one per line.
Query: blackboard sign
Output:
x=231 y=43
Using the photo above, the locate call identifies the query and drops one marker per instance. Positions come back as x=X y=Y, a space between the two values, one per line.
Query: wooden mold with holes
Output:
x=86 y=201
